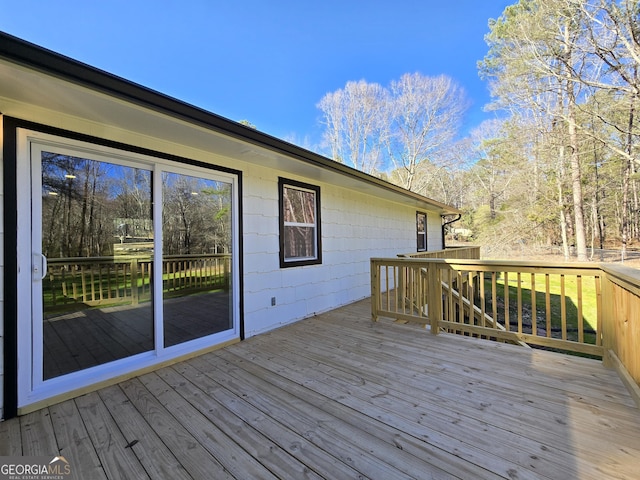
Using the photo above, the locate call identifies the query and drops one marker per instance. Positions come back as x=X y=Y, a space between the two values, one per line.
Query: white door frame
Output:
x=31 y=387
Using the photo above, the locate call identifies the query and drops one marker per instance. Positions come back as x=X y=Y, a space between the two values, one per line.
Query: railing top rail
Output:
x=623 y=272
x=497 y=263
x=626 y=277
x=456 y=250
x=128 y=259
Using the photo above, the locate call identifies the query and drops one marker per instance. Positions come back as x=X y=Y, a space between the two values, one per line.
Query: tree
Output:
x=495 y=164
x=353 y=119
x=408 y=127
x=533 y=56
x=423 y=118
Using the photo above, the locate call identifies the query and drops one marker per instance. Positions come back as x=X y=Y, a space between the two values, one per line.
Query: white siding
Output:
x=355 y=227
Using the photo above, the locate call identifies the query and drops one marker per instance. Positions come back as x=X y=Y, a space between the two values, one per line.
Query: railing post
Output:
x=608 y=320
x=401 y=287
x=375 y=290
x=435 y=297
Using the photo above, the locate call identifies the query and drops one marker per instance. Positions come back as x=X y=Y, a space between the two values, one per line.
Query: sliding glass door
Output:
x=96 y=252
x=132 y=263
x=196 y=252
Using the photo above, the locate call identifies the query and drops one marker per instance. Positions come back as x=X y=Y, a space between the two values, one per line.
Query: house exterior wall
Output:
x=355 y=227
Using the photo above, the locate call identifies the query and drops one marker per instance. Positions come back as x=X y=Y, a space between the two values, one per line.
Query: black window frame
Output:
x=420 y=234
x=295 y=184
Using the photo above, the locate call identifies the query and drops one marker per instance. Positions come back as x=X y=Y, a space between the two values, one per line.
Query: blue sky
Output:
x=268 y=62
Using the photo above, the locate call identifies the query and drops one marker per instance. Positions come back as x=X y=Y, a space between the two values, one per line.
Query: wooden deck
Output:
x=337 y=396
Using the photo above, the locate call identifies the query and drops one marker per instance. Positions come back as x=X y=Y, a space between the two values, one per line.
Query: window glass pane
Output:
x=299 y=223
x=421 y=222
x=196 y=231
x=421 y=231
x=299 y=206
x=299 y=242
x=97 y=236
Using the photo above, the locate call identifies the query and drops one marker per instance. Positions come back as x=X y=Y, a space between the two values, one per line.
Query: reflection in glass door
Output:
x=97 y=242
x=196 y=257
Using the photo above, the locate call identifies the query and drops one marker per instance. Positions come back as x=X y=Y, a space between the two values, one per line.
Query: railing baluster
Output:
x=494 y=298
x=547 y=287
x=580 y=316
x=396 y=288
x=423 y=303
x=450 y=279
x=460 y=301
x=598 y=286
x=471 y=297
x=375 y=289
x=563 y=308
x=412 y=302
x=482 y=300
x=435 y=297
x=534 y=309
x=519 y=302
x=507 y=295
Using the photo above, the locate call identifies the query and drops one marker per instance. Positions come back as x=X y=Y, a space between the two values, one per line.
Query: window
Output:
x=299 y=224
x=421 y=231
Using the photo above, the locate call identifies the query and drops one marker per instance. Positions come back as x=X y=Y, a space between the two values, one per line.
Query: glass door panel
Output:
x=196 y=265
x=97 y=248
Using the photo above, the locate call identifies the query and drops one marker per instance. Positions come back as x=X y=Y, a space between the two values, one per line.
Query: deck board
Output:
x=206 y=433
x=71 y=431
x=338 y=396
x=154 y=456
x=118 y=461
x=439 y=425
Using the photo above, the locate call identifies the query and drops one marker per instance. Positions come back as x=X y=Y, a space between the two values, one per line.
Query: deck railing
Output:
x=102 y=281
x=586 y=308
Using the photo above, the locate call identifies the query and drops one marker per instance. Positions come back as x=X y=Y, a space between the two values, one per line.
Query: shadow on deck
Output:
x=338 y=396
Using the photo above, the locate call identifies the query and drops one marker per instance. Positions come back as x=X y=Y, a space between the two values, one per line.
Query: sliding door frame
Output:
x=29 y=387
